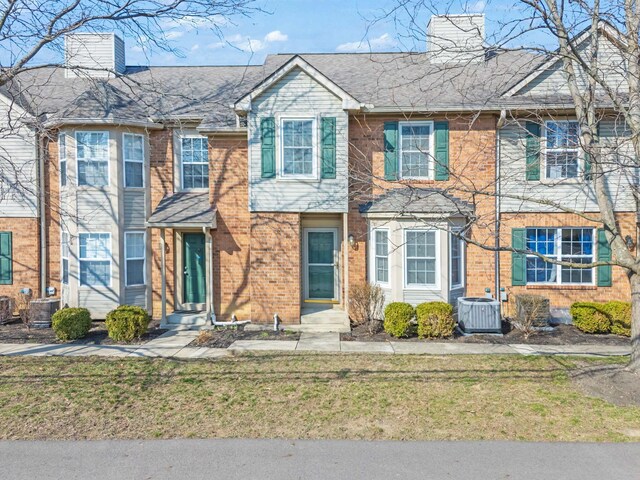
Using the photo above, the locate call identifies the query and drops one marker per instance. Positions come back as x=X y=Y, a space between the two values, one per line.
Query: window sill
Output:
x=561 y=287
x=298 y=179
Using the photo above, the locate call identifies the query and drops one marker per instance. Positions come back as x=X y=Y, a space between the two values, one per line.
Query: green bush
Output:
x=398 y=318
x=126 y=323
x=620 y=315
x=435 y=320
x=71 y=323
x=590 y=317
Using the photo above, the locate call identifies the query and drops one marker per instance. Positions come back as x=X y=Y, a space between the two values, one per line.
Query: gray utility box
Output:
x=478 y=314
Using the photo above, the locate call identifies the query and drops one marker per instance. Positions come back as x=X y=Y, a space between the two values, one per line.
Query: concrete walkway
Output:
x=316 y=460
x=174 y=344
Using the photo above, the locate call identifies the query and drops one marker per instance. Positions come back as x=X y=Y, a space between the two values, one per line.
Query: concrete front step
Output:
x=189 y=319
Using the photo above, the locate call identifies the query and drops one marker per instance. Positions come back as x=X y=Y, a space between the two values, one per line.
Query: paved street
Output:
x=310 y=460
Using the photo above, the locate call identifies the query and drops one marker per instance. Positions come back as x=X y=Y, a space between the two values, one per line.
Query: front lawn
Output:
x=307 y=396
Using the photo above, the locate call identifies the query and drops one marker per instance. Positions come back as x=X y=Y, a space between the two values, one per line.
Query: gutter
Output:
x=42 y=215
x=57 y=122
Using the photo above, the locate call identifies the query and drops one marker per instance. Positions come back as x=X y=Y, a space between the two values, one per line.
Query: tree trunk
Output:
x=634 y=363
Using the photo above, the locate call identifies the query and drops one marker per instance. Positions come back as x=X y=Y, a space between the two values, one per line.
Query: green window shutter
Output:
x=604 y=255
x=390 y=150
x=441 y=130
x=533 y=151
x=518 y=260
x=328 y=145
x=268 y=146
x=6 y=263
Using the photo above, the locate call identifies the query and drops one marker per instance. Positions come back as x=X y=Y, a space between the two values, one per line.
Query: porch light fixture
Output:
x=628 y=240
x=352 y=240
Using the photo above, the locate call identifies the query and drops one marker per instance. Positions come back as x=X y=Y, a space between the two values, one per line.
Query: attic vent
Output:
x=99 y=55
x=456 y=38
x=242 y=121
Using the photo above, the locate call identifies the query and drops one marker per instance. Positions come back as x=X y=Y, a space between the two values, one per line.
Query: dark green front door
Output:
x=321 y=249
x=194 y=268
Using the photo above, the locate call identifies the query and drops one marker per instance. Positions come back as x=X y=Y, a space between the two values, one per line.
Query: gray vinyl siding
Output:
x=136 y=296
x=99 y=53
x=297 y=94
x=133 y=209
x=94 y=208
x=519 y=195
x=454 y=295
x=98 y=301
x=18 y=165
x=456 y=39
x=416 y=297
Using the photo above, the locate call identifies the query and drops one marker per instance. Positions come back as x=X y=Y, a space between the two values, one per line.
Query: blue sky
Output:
x=290 y=26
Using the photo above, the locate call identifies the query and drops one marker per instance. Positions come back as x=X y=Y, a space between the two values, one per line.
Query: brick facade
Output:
x=25 y=233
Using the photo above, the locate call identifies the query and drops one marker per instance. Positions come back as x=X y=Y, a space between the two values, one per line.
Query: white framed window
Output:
x=381 y=255
x=133 y=156
x=416 y=150
x=95 y=259
x=134 y=258
x=575 y=245
x=298 y=147
x=62 y=158
x=562 y=149
x=456 y=260
x=92 y=156
x=64 y=255
x=420 y=263
x=194 y=160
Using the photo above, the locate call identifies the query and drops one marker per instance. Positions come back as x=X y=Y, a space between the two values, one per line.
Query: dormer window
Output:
x=298 y=147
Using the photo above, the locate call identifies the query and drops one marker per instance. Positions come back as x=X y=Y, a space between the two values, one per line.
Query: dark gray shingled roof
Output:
x=419 y=201
x=184 y=209
x=398 y=81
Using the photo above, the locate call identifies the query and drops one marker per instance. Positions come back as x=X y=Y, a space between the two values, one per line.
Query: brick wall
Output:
x=26 y=255
x=275 y=267
x=562 y=296
x=228 y=174
x=161 y=184
x=53 y=210
x=472 y=178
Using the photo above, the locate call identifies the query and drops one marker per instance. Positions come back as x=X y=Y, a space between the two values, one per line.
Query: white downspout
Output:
x=499 y=124
x=42 y=215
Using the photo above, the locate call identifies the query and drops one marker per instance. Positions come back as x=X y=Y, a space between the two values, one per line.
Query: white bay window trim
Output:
x=99 y=253
x=436 y=258
x=378 y=257
x=429 y=154
x=281 y=120
x=137 y=161
x=140 y=257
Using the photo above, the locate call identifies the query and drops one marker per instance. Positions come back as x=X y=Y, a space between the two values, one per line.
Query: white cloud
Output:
x=276 y=36
x=383 y=42
x=477 y=6
x=174 y=34
x=191 y=22
x=248 y=44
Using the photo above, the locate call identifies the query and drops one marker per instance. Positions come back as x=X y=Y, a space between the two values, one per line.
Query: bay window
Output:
x=92 y=155
x=420 y=258
x=134 y=254
x=562 y=149
x=575 y=245
x=95 y=259
x=381 y=256
x=64 y=254
x=133 y=155
x=456 y=260
x=62 y=158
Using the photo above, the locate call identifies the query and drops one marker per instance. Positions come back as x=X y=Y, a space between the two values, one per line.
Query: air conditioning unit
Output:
x=479 y=315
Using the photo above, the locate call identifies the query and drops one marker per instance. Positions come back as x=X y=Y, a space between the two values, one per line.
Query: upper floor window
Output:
x=381 y=257
x=195 y=162
x=92 y=154
x=133 y=154
x=62 y=158
x=574 y=245
x=298 y=147
x=562 y=149
x=420 y=258
x=95 y=259
x=415 y=149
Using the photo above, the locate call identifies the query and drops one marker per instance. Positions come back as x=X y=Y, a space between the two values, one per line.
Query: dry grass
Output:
x=305 y=396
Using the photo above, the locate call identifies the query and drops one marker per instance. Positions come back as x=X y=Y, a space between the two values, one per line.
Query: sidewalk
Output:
x=174 y=344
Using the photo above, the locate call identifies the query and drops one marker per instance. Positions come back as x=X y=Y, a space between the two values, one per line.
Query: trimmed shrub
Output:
x=435 y=320
x=620 y=315
x=398 y=318
x=126 y=323
x=590 y=317
x=71 y=323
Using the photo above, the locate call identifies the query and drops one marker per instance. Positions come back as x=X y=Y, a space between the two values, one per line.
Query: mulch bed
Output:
x=223 y=337
x=16 y=332
x=560 y=335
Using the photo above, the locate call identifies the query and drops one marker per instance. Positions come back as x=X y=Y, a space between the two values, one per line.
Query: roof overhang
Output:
x=243 y=105
x=184 y=210
x=116 y=122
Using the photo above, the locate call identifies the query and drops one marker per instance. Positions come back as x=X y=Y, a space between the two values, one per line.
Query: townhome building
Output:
x=252 y=192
